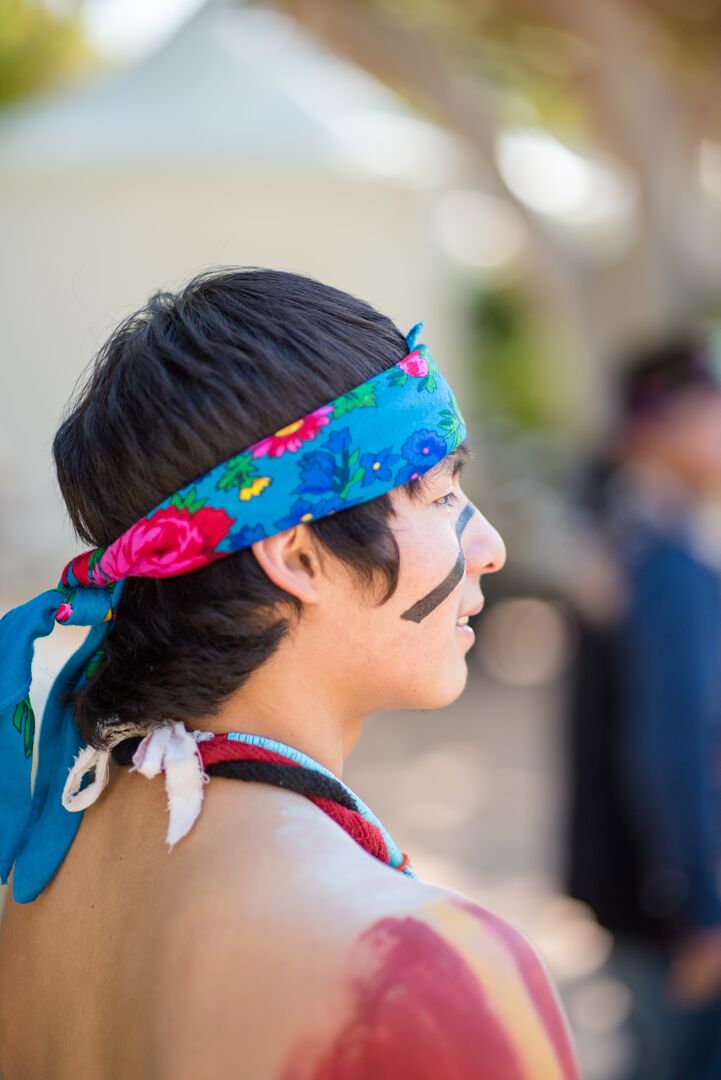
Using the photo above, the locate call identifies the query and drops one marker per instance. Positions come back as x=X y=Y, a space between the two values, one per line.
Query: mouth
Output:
x=463 y=620
x=462 y=625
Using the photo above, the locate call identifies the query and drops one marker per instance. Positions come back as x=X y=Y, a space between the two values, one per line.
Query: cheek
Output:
x=378 y=637
x=425 y=565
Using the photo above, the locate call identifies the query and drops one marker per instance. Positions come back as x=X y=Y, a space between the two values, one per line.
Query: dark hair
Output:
x=655 y=374
x=181 y=385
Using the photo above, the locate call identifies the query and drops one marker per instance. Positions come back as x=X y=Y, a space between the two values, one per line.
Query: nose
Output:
x=484 y=549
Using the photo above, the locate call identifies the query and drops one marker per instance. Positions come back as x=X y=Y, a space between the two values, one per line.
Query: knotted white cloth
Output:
x=168 y=748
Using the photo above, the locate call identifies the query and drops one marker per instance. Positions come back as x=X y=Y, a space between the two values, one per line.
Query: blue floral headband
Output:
x=392 y=428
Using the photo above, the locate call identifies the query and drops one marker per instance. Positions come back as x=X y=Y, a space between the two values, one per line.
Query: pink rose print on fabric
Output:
x=64 y=612
x=171 y=541
x=80 y=567
x=294 y=435
x=414 y=365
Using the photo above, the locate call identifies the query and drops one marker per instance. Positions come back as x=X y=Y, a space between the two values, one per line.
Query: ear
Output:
x=290 y=560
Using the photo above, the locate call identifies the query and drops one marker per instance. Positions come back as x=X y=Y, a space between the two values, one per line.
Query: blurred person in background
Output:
x=645 y=707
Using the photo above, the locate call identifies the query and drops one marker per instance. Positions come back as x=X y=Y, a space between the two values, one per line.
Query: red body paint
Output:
x=421 y=1014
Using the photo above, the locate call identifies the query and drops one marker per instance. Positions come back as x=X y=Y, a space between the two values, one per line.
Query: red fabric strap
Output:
x=221 y=748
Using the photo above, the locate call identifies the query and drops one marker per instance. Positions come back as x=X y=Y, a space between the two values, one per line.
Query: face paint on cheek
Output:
x=430 y=602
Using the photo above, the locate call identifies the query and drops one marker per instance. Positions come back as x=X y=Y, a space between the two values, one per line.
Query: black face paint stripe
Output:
x=429 y=603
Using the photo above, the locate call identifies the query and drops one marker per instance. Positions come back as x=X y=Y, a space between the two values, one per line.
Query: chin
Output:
x=447 y=690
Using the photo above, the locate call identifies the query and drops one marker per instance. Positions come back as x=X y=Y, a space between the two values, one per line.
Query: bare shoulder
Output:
x=261 y=928
x=442 y=988
x=358 y=971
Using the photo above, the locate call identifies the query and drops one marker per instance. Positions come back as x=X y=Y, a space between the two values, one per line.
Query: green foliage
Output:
x=514 y=367
x=39 y=48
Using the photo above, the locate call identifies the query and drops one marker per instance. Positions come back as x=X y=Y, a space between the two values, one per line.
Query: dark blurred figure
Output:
x=645 y=709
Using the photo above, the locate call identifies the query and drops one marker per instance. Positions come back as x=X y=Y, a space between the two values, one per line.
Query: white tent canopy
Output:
x=240 y=142
x=235 y=85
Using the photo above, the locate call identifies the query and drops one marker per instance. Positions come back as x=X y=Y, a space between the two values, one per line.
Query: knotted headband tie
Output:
x=376 y=437
x=188 y=759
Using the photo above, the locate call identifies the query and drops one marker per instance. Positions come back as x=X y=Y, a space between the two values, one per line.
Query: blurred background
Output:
x=540 y=182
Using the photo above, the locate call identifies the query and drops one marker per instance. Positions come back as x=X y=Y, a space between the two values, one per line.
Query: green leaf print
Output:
x=239 y=472
x=24 y=724
x=95 y=558
x=96 y=662
x=189 y=501
x=428 y=382
x=450 y=424
x=356 y=478
x=363 y=397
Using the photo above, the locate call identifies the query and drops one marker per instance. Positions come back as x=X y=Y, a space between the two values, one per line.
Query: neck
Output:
x=287 y=700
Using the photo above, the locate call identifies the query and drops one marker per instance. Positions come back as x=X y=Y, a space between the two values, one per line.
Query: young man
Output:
x=282 y=547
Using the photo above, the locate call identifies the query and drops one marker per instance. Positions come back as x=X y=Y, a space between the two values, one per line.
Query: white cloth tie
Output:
x=168 y=748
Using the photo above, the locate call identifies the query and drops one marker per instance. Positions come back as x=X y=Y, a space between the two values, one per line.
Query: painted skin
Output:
x=450 y=992
x=429 y=603
x=361 y=959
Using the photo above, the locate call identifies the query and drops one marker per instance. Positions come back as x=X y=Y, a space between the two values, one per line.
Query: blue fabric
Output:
x=18 y=632
x=668 y=1041
x=396 y=425
x=37 y=830
x=393 y=427
x=670 y=739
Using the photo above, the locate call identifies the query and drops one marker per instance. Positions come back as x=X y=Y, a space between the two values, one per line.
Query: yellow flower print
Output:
x=254 y=488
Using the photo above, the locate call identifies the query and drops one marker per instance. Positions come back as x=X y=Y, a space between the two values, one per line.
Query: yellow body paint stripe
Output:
x=503 y=987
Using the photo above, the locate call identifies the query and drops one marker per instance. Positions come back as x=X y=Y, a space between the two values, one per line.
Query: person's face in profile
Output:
x=412 y=649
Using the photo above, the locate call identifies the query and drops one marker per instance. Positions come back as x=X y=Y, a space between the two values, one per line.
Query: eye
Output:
x=447 y=500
